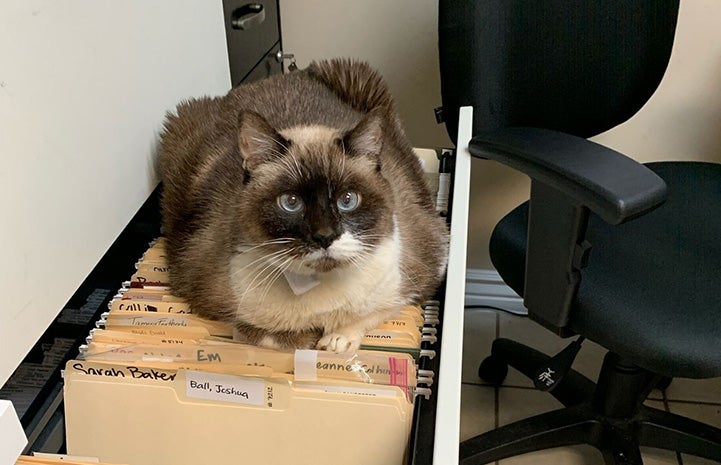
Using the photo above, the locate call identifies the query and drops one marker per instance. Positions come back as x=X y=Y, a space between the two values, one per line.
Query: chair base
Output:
x=609 y=416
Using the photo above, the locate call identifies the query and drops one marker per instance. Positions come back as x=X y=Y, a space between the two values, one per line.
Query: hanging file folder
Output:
x=149 y=416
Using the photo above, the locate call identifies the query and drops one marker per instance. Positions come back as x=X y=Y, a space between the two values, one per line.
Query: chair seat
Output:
x=646 y=276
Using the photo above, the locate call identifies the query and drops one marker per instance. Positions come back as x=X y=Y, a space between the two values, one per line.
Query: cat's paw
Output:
x=338 y=343
x=270 y=342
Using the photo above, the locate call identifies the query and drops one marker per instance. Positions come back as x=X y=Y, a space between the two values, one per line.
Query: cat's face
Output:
x=317 y=197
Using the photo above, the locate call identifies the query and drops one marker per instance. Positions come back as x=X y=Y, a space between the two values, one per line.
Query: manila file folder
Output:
x=150 y=416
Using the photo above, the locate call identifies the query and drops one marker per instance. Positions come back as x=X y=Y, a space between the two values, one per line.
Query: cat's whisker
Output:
x=276 y=263
x=292 y=170
x=367 y=233
x=271 y=266
x=364 y=269
x=266 y=146
x=268 y=138
x=285 y=147
x=273 y=242
x=281 y=240
x=355 y=262
x=368 y=246
x=273 y=277
x=360 y=260
x=297 y=166
x=408 y=277
x=367 y=250
x=279 y=247
x=263 y=259
x=342 y=164
x=260 y=250
x=419 y=262
x=278 y=273
x=282 y=157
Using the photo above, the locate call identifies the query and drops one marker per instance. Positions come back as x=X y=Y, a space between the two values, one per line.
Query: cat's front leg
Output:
x=348 y=337
x=290 y=340
x=283 y=340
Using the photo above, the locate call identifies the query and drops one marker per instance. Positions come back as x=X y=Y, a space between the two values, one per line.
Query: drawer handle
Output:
x=247 y=16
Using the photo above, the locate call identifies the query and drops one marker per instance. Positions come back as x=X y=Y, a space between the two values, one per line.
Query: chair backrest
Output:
x=577 y=66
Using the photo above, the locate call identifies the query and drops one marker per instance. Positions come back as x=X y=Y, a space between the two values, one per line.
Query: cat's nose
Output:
x=324 y=237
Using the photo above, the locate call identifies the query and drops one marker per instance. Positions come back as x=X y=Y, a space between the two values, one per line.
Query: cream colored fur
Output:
x=347 y=303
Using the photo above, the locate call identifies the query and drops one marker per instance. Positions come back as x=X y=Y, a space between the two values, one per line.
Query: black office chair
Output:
x=542 y=76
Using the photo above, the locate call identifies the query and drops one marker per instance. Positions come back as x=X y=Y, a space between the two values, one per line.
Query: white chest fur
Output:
x=370 y=283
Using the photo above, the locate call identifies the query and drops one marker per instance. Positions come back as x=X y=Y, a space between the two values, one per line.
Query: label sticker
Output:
x=227 y=388
x=305 y=362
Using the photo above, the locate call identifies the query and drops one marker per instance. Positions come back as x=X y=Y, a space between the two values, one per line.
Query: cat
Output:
x=295 y=208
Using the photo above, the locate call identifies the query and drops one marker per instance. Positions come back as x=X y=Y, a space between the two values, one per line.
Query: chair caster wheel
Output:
x=493 y=370
x=664 y=383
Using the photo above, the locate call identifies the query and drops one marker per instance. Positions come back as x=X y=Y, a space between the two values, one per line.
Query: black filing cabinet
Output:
x=252 y=31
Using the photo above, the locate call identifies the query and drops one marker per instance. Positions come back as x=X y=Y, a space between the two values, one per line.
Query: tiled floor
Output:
x=484 y=407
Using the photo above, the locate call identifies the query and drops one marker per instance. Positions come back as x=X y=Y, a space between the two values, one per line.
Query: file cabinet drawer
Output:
x=268 y=66
x=251 y=29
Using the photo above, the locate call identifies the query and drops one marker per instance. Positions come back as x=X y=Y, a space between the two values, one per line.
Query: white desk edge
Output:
x=12 y=436
x=448 y=407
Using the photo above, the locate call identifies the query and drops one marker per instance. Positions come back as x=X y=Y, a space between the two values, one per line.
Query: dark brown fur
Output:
x=214 y=190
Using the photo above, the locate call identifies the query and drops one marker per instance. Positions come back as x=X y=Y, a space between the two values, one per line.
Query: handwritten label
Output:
x=156 y=306
x=380 y=335
x=154 y=320
x=227 y=388
x=124 y=372
x=205 y=356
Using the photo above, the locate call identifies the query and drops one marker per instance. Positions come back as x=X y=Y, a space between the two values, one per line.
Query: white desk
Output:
x=84 y=87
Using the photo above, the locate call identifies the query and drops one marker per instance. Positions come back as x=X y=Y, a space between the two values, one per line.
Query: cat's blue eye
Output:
x=349 y=201
x=291 y=203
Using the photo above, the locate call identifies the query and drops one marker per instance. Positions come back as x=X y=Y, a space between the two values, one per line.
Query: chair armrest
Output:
x=613 y=186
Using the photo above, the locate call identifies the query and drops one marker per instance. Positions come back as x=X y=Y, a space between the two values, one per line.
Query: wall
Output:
x=399 y=38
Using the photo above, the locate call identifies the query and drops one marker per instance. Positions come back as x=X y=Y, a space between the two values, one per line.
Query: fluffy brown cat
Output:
x=295 y=208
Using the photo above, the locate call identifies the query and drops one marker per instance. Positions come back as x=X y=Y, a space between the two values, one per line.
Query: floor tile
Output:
x=690 y=460
x=701 y=390
x=516 y=404
x=478 y=410
x=658 y=457
x=710 y=414
x=705 y=413
x=573 y=455
x=479 y=331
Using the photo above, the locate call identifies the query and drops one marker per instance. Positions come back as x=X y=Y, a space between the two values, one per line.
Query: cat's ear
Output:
x=367 y=137
x=257 y=140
